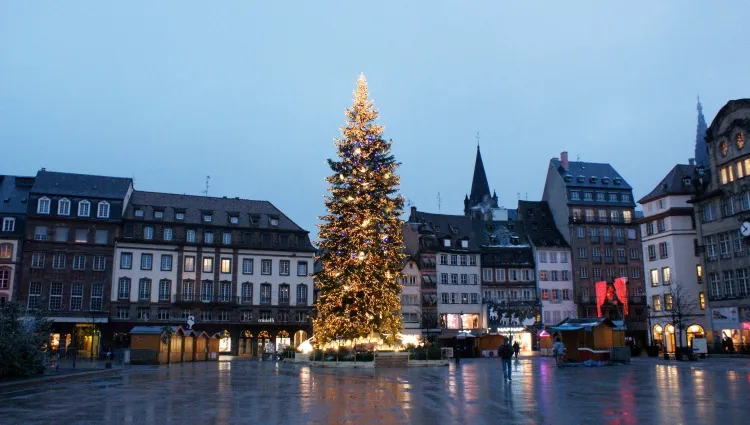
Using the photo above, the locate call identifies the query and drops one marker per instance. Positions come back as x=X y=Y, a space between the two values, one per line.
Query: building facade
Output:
x=72 y=223
x=411 y=300
x=552 y=255
x=228 y=265
x=594 y=210
x=722 y=205
x=675 y=286
x=14 y=198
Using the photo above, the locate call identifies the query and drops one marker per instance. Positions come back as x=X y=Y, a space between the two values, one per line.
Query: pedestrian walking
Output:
x=516 y=349
x=559 y=350
x=506 y=355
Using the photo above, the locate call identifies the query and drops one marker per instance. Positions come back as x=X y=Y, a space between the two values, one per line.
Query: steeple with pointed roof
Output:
x=480 y=196
x=701 y=150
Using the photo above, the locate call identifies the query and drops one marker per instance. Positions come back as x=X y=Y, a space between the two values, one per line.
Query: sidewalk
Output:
x=65 y=372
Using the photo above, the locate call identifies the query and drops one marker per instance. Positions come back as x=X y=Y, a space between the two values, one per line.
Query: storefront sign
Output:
x=510 y=330
x=265 y=320
x=746 y=326
x=725 y=318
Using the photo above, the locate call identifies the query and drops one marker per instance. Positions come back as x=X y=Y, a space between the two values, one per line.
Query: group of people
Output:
x=506 y=353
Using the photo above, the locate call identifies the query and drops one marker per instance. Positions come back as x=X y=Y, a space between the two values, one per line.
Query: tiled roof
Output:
x=14 y=194
x=503 y=242
x=68 y=184
x=604 y=173
x=673 y=184
x=194 y=207
x=539 y=225
x=479 y=186
x=456 y=227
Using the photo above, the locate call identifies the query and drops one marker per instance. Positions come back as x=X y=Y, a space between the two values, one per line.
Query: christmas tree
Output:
x=360 y=237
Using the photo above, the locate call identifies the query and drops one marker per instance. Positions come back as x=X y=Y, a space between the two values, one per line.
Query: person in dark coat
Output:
x=506 y=355
x=516 y=349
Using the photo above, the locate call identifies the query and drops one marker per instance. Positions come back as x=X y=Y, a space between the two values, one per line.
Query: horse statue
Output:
x=493 y=313
x=514 y=320
x=504 y=319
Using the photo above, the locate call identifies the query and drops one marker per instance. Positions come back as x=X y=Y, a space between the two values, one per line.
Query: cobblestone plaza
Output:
x=249 y=392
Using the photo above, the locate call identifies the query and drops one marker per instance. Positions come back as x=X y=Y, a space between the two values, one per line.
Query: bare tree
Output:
x=681 y=307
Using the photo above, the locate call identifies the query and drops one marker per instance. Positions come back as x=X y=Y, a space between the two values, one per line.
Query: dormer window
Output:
x=43 y=206
x=605 y=180
x=592 y=179
x=568 y=178
x=234 y=219
x=179 y=215
x=514 y=240
x=617 y=180
x=158 y=214
x=103 y=210
x=138 y=212
x=581 y=179
x=84 y=208
x=447 y=243
x=254 y=220
x=207 y=218
x=63 y=207
x=686 y=181
x=274 y=221
x=464 y=243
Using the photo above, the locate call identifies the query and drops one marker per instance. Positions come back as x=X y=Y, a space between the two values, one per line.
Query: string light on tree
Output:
x=360 y=236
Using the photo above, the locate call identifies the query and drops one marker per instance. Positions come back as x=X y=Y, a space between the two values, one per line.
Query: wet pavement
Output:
x=648 y=391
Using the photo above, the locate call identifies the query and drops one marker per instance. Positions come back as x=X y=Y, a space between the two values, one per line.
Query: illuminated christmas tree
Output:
x=361 y=241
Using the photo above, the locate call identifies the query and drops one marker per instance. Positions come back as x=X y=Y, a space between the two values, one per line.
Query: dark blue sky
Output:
x=252 y=93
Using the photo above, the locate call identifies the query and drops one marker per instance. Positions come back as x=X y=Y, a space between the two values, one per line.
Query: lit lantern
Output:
x=361 y=255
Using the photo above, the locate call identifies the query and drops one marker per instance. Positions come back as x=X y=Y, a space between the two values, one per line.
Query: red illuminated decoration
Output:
x=601 y=295
x=622 y=293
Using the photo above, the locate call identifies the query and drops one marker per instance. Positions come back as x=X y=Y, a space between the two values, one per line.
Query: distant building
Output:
x=722 y=205
x=552 y=255
x=672 y=262
x=14 y=200
x=411 y=299
x=594 y=211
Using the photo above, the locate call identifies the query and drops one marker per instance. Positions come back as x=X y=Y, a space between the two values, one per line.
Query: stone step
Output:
x=399 y=359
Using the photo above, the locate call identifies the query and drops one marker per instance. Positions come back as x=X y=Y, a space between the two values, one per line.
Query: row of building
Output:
x=673 y=271
x=100 y=257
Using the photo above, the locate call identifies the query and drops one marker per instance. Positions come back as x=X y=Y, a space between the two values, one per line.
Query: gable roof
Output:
x=587 y=170
x=503 y=242
x=14 y=194
x=194 y=207
x=673 y=184
x=455 y=227
x=539 y=225
x=83 y=185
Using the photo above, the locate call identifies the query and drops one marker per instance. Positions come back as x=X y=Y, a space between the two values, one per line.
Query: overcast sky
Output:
x=252 y=93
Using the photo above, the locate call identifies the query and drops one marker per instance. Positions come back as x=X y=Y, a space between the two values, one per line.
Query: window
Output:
x=42 y=207
x=447 y=243
x=499 y=275
x=58 y=261
x=454 y=260
x=596 y=272
x=724 y=245
x=284 y=293
x=667 y=302
x=463 y=260
x=158 y=214
x=55 y=296
x=84 y=209
x=443 y=259
x=82 y=236
x=147 y=261
x=226 y=238
x=729 y=288
x=208 y=264
x=166 y=262
x=247 y=293
x=581 y=232
x=739 y=244
x=40 y=233
x=103 y=210
x=583 y=273
x=652 y=252
x=189 y=263
x=634 y=254
x=554 y=274
x=656 y=302
x=35 y=295
x=225 y=291
x=565 y=275
x=702 y=300
x=464 y=279
x=635 y=273
x=187 y=290
x=265 y=267
x=302 y=294
x=664 y=250
x=708 y=212
x=542 y=257
x=208 y=218
x=63 y=207
x=76 y=296
x=123 y=313
x=148 y=232
x=79 y=262
x=654 y=273
x=168 y=234
x=575 y=196
x=553 y=257
x=208 y=237
x=487 y=275
x=4 y=278
x=444 y=298
x=179 y=216
x=588 y=196
x=207 y=291
x=206 y=316
x=600 y=196
x=100 y=263
x=126 y=260
x=97 y=296
x=226 y=265
x=742 y=283
x=265 y=293
x=302 y=268
x=144 y=289
x=9 y=224
x=666 y=276
x=37 y=260
x=247 y=266
x=162 y=313
x=246 y=315
x=101 y=237
x=144 y=313
x=284 y=267
x=454 y=279
x=475 y=298
x=727 y=206
x=190 y=235
x=464 y=244
x=581 y=252
x=472 y=260
x=165 y=289
x=444 y=278
x=234 y=219
x=474 y=279
x=464 y=298
x=711 y=248
x=699 y=274
x=138 y=212
x=714 y=279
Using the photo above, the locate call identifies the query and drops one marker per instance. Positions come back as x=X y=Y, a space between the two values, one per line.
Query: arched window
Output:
x=265 y=293
x=247 y=293
x=84 y=208
x=727 y=206
x=301 y=294
x=744 y=201
x=284 y=293
x=42 y=206
x=63 y=207
x=103 y=210
x=4 y=278
x=6 y=251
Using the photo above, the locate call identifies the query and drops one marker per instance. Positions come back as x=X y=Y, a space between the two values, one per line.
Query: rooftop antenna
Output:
x=438 y=201
x=208 y=179
x=527 y=196
x=578 y=157
x=477 y=137
x=518 y=195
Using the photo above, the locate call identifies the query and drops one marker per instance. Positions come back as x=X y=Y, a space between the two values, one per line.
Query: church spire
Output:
x=701 y=150
x=479 y=186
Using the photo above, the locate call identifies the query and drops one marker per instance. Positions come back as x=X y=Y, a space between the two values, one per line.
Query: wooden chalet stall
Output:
x=188 y=345
x=200 y=347
x=213 y=347
x=148 y=345
x=587 y=339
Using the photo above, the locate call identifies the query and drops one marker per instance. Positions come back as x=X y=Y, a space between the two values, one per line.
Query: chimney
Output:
x=564 y=160
x=691 y=161
x=413 y=213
